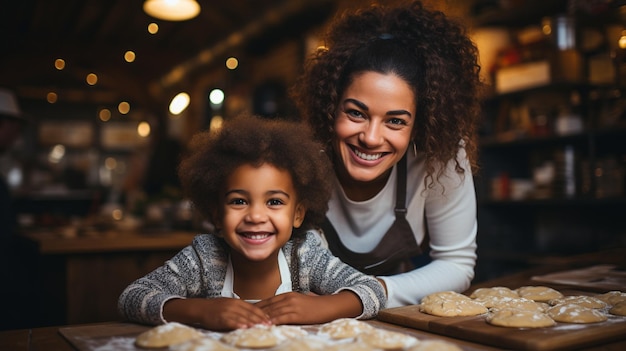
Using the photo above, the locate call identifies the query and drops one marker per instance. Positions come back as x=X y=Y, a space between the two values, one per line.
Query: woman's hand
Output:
x=215 y=313
x=298 y=308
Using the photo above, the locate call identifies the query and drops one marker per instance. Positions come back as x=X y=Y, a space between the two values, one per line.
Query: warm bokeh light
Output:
x=52 y=97
x=129 y=56
x=232 y=63
x=110 y=163
x=56 y=153
x=92 y=79
x=59 y=64
x=153 y=28
x=216 y=97
x=172 y=10
x=104 y=114
x=123 y=107
x=216 y=124
x=117 y=214
x=179 y=103
x=622 y=40
x=143 y=129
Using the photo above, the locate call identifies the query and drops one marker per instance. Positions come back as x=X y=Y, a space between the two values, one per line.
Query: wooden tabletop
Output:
x=109 y=241
x=50 y=338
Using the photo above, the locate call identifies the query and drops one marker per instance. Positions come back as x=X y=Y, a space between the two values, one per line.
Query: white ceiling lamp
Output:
x=172 y=10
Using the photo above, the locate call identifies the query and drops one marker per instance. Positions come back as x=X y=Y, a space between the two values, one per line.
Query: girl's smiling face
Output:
x=373 y=127
x=260 y=209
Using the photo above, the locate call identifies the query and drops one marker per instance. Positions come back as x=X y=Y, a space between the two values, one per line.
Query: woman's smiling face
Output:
x=373 y=126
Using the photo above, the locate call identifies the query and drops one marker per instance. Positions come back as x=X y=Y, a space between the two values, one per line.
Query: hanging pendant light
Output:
x=172 y=10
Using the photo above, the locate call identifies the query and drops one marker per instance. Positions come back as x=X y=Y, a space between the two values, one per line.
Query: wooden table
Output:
x=49 y=338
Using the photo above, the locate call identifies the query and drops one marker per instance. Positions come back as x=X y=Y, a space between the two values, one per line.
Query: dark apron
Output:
x=398 y=246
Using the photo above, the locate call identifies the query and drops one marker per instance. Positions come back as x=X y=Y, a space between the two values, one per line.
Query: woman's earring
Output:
x=414 y=149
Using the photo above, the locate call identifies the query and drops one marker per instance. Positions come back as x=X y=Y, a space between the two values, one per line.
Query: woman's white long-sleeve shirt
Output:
x=452 y=226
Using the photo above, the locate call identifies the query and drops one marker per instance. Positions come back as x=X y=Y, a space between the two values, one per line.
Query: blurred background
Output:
x=112 y=91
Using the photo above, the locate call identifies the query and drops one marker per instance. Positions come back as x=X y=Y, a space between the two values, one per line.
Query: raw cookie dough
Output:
x=612 y=297
x=165 y=335
x=386 y=339
x=516 y=318
x=497 y=291
x=451 y=304
x=571 y=313
x=538 y=293
x=581 y=300
x=345 y=328
x=351 y=346
x=306 y=343
x=619 y=309
x=519 y=303
x=262 y=336
x=202 y=344
x=434 y=345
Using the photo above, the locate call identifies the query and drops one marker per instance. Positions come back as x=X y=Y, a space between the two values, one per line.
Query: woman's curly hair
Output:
x=430 y=51
x=288 y=145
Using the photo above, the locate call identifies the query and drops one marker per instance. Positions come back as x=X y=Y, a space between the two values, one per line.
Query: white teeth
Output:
x=367 y=157
x=257 y=236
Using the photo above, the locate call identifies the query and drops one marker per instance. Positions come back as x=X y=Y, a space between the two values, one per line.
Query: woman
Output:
x=394 y=97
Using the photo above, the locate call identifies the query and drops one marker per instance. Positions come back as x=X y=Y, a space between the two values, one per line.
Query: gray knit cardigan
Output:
x=199 y=270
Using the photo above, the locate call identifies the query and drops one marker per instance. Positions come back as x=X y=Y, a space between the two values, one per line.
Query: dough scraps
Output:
x=306 y=343
x=612 y=297
x=498 y=291
x=518 y=303
x=386 y=339
x=261 y=336
x=451 y=304
x=167 y=334
x=202 y=344
x=345 y=328
x=619 y=309
x=572 y=313
x=434 y=345
x=516 y=318
x=539 y=293
x=581 y=300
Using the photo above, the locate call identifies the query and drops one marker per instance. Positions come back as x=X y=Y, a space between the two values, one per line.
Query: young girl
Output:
x=257 y=181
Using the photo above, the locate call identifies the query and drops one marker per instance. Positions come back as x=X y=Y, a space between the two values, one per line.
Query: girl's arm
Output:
x=187 y=289
x=220 y=313
x=300 y=308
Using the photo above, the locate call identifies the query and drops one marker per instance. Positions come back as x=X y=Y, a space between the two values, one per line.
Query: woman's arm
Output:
x=452 y=227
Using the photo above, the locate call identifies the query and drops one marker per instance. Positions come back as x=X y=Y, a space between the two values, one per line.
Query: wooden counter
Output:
x=51 y=338
x=81 y=278
x=49 y=243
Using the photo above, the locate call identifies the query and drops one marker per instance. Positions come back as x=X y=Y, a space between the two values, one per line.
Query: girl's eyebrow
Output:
x=245 y=192
x=274 y=192
x=364 y=107
x=236 y=191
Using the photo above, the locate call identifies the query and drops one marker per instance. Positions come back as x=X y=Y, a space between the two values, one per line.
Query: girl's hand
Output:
x=215 y=313
x=298 y=308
